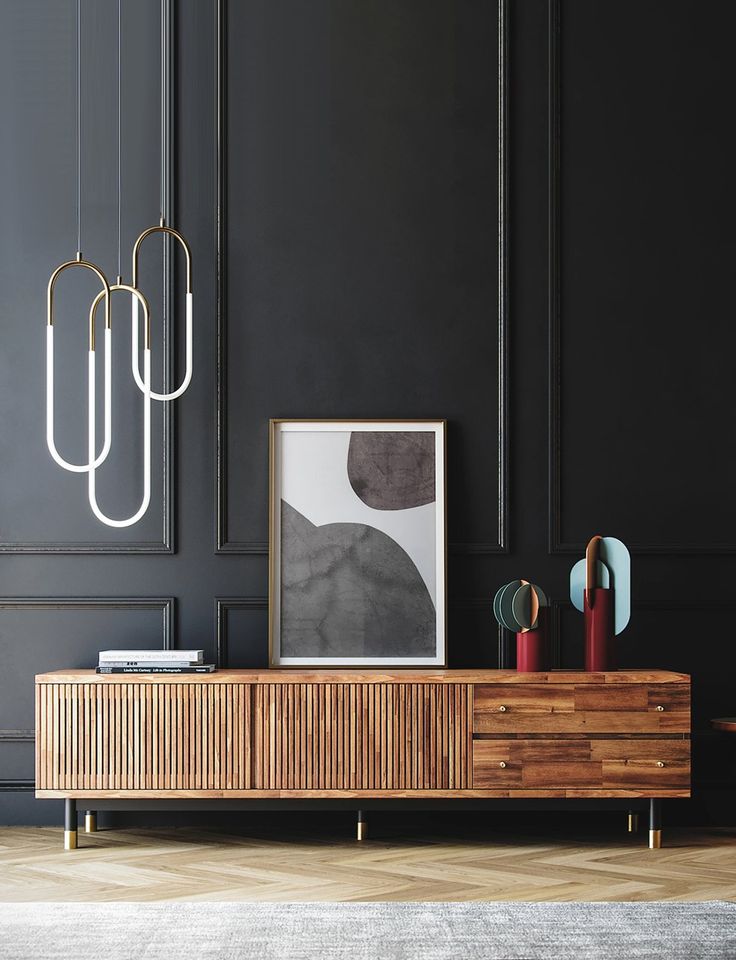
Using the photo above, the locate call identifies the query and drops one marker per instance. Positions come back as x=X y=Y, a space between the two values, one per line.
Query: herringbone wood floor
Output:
x=280 y=863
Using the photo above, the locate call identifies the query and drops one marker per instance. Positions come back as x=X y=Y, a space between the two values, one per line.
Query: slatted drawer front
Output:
x=582 y=708
x=352 y=736
x=148 y=736
x=637 y=765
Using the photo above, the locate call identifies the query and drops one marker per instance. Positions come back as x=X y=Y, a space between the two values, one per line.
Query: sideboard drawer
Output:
x=645 y=766
x=582 y=708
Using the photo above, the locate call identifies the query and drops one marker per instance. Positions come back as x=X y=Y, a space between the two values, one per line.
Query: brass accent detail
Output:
x=105 y=292
x=70 y=839
x=162 y=228
x=502 y=709
x=502 y=764
x=660 y=763
x=133 y=292
x=660 y=708
x=655 y=839
x=362 y=829
x=90 y=823
x=633 y=824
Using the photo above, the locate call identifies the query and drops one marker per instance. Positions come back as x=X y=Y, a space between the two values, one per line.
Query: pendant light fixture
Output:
x=92 y=476
x=79 y=262
x=162 y=228
x=138 y=301
x=137 y=297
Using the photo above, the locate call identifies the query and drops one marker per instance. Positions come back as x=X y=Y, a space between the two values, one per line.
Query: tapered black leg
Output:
x=633 y=821
x=70 y=824
x=362 y=825
x=655 y=824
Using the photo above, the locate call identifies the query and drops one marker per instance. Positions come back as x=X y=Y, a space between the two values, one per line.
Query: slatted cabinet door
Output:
x=360 y=736
x=152 y=736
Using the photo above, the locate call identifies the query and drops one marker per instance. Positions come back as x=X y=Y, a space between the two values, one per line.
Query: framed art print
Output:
x=357 y=543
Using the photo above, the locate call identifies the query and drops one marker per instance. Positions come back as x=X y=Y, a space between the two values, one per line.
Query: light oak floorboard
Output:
x=290 y=864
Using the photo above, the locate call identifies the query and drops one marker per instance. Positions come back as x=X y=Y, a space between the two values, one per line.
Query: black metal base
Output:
x=138 y=805
x=70 y=824
x=655 y=824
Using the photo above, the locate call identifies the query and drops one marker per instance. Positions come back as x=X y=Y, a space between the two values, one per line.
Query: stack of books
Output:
x=153 y=661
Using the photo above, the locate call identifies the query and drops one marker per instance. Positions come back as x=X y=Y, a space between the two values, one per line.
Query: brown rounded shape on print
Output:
x=392 y=469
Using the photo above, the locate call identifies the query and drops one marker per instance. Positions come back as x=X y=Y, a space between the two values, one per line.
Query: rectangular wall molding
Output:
x=166 y=545
x=166 y=606
x=223 y=605
x=225 y=541
x=557 y=545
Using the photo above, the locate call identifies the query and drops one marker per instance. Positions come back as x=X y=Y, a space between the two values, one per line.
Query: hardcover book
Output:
x=200 y=668
x=191 y=656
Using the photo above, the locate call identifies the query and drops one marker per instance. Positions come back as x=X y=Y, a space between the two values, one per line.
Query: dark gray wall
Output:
x=359 y=188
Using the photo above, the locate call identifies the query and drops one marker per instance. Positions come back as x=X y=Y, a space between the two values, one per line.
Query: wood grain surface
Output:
x=400 y=675
x=649 y=707
x=229 y=734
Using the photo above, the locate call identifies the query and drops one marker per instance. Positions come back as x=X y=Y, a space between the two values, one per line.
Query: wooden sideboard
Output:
x=354 y=734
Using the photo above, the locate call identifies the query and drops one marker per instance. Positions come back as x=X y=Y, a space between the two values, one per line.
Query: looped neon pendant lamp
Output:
x=138 y=301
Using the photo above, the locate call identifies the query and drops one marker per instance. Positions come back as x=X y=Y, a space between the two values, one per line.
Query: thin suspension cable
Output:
x=79 y=126
x=162 y=198
x=120 y=178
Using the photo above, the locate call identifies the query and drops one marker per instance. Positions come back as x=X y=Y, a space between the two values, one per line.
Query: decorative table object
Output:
x=523 y=608
x=600 y=588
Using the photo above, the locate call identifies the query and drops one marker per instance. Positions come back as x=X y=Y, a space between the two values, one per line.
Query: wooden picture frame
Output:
x=357 y=543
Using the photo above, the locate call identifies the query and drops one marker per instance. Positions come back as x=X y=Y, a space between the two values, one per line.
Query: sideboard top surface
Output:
x=403 y=675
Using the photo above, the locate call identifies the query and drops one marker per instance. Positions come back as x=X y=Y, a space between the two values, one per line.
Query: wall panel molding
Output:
x=166 y=545
x=166 y=606
x=17 y=786
x=223 y=605
x=225 y=542
x=557 y=545
x=666 y=606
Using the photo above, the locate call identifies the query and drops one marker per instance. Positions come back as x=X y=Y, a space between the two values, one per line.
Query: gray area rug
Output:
x=367 y=931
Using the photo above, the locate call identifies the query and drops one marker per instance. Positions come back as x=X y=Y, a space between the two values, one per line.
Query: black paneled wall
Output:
x=515 y=216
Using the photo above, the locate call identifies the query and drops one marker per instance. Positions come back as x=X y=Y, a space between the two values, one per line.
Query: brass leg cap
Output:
x=633 y=822
x=655 y=839
x=362 y=829
x=90 y=823
x=70 y=839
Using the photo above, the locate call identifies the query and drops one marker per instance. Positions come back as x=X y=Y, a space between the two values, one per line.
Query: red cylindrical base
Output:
x=532 y=647
x=599 y=649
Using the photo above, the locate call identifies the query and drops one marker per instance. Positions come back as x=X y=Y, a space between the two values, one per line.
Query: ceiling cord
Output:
x=79 y=127
x=120 y=178
x=162 y=199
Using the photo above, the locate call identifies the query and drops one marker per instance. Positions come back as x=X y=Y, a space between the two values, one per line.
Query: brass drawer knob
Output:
x=502 y=763
x=660 y=708
x=502 y=709
x=660 y=763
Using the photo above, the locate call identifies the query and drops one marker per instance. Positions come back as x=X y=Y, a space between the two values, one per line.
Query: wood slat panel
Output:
x=362 y=737
x=149 y=737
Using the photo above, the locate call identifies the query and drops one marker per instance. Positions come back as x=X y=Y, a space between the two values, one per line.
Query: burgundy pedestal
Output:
x=532 y=647
x=599 y=638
